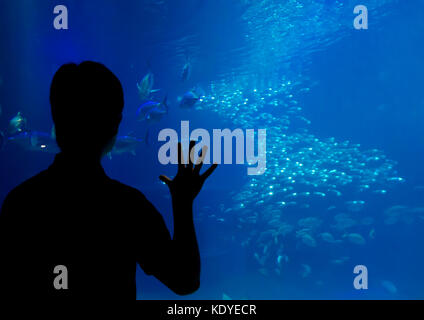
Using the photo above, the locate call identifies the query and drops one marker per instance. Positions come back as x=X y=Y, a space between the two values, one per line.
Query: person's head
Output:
x=86 y=104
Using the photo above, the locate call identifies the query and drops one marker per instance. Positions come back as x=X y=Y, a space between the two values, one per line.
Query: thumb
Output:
x=165 y=179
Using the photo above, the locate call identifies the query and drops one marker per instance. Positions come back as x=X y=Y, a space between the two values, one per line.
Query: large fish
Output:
x=305 y=270
x=145 y=87
x=189 y=99
x=35 y=141
x=125 y=144
x=17 y=124
x=42 y=141
x=355 y=238
x=152 y=111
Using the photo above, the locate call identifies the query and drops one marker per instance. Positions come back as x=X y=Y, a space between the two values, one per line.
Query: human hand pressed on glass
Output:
x=188 y=181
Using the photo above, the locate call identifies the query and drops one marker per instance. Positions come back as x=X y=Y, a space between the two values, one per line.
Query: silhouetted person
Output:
x=73 y=215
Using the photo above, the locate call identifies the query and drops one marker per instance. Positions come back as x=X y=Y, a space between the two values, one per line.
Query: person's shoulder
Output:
x=22 y=194
x=30 y=185
x=133 y=198
x=130 y=193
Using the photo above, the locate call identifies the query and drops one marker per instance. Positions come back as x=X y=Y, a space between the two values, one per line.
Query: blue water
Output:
x=343 y=109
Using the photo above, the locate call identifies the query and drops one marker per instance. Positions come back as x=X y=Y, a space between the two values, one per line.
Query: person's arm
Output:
x=180 y=268
x=177 y=260
x=10 y=244
x=184 y=188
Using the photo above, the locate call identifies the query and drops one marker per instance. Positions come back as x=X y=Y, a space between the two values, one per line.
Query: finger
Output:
x=165 y=179
x=191 y=154
x=181 y=164
x=199 y=162
x=208 y=172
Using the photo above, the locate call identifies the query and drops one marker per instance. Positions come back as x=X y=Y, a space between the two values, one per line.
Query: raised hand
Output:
x=188 y=182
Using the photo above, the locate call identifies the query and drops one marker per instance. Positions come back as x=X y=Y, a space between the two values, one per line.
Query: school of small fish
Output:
x=310 y=195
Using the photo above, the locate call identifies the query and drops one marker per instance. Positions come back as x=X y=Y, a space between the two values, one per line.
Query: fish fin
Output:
x=34 y=140
x=3 y=140
x=151 y=78
x=154 y=90
x=165 y=103
x=109 y=155
x=225 y=296
x=53 y=132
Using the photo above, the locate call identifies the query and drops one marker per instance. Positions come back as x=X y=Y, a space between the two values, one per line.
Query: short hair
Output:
x=86 y=104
